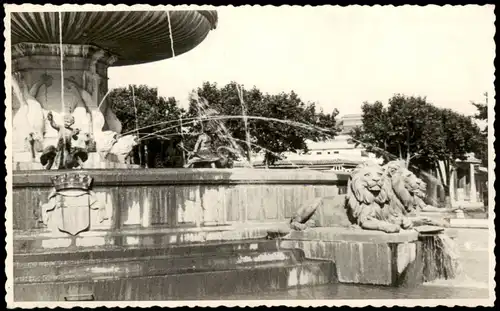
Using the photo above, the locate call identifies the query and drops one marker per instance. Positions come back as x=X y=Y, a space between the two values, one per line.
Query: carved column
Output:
x=473 y=190
x=453 y=187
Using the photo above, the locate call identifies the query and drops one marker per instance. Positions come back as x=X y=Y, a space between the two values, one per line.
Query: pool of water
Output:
x=472 y=283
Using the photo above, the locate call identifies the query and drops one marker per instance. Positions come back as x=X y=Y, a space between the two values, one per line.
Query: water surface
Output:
x=472 y=283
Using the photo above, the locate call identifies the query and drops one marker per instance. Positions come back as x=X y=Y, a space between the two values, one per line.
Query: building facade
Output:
x=338 y=154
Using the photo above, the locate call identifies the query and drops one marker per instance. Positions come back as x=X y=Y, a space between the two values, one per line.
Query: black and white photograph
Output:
x=249 y=155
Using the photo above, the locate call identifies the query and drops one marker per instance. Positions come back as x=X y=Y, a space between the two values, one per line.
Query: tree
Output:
x=461 y=136
x=266 y=134
x=408 y=128
x=482 y=115
x=423 y=135
x=141 y=110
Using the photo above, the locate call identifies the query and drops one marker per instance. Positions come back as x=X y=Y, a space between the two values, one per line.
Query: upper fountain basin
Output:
x=134 y=36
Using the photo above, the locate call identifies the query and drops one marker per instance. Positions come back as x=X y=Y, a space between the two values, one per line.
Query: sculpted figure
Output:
x=67 y=154
x=406 y=194
x=367 y=201
x=205 y=152
x=322 y=212
x=382 y=198
x=104 y=140
x=81 y=112
x=121 y=149
x=94 y=85
x=29 y=121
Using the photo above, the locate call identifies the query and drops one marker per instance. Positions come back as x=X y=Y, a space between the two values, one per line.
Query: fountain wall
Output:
x=178 y=199
x=153 y=210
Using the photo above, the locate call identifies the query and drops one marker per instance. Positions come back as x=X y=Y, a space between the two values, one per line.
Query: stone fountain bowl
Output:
x=134 y=36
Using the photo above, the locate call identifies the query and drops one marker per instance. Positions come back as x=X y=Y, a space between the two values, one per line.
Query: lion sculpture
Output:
x=368 y=199
x=406 y=193
x=382 y=198
x=365 y=205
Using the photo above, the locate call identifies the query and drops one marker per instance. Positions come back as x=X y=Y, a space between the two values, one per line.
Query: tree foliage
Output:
x=482 y=115
x=412 y=129
x=153 y=111
x=269 y=136
x=155 y=118
x=482 y=111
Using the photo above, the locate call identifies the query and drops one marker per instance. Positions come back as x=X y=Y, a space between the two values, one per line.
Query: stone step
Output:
x=35 y=242
x=184 y=286
x=88 y=270
x=114 y=252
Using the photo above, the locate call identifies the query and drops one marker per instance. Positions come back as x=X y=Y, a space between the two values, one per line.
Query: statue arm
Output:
x=74 y=134
x=198 y=143
x=52 y=122
x=54 y=125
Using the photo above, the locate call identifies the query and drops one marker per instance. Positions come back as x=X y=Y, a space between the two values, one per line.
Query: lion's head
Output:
x=402 y=186
x=365 y=188
x=369 y=178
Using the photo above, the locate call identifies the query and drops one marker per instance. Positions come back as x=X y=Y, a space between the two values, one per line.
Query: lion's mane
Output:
x=360 y=200
x=402 y=188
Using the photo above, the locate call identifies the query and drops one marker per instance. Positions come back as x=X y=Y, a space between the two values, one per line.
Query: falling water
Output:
x=61 y=66
x=136 y=121
x=236 y=139
x=245 y=119
x=221 y=129
x=229 y=117
x=20 y=120
x=441 y=257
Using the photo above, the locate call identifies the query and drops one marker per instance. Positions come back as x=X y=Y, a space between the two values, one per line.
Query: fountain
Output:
x=158 y=234
x=60 y=62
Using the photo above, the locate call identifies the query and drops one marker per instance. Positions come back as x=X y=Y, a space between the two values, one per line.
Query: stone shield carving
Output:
x=70 y=203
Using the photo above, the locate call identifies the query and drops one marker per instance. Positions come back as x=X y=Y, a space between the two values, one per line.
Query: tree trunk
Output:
x=447 y=197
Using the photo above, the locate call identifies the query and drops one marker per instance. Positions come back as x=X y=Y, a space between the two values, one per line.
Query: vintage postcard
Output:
x=249 y=156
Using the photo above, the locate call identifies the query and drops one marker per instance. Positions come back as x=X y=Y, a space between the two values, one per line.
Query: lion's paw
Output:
x=298 y=226
x=391 y=228
x=406 y=223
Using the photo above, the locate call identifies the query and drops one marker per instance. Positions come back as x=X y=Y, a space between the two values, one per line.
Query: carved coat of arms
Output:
x=70 y=204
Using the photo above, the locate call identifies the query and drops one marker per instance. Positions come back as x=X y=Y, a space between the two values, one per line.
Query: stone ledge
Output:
x=122 y=177
x=332 y=234
x=44 y=241
x=470 y=223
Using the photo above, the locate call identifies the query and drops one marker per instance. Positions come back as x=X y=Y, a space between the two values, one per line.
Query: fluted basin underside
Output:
x=134 y=36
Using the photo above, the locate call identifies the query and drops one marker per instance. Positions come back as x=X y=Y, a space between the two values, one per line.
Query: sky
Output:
x=338 y=57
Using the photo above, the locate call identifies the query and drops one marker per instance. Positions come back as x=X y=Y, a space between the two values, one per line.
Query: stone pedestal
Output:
x=362 y=256
x=86 y=64
x=79 y=91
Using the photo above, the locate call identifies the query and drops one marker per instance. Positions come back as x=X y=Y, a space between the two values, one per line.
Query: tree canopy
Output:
x=154 y=118
x=482 y=115
x=153 y=111
x=412 y=129
x=268 y=135
x=283 y=121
